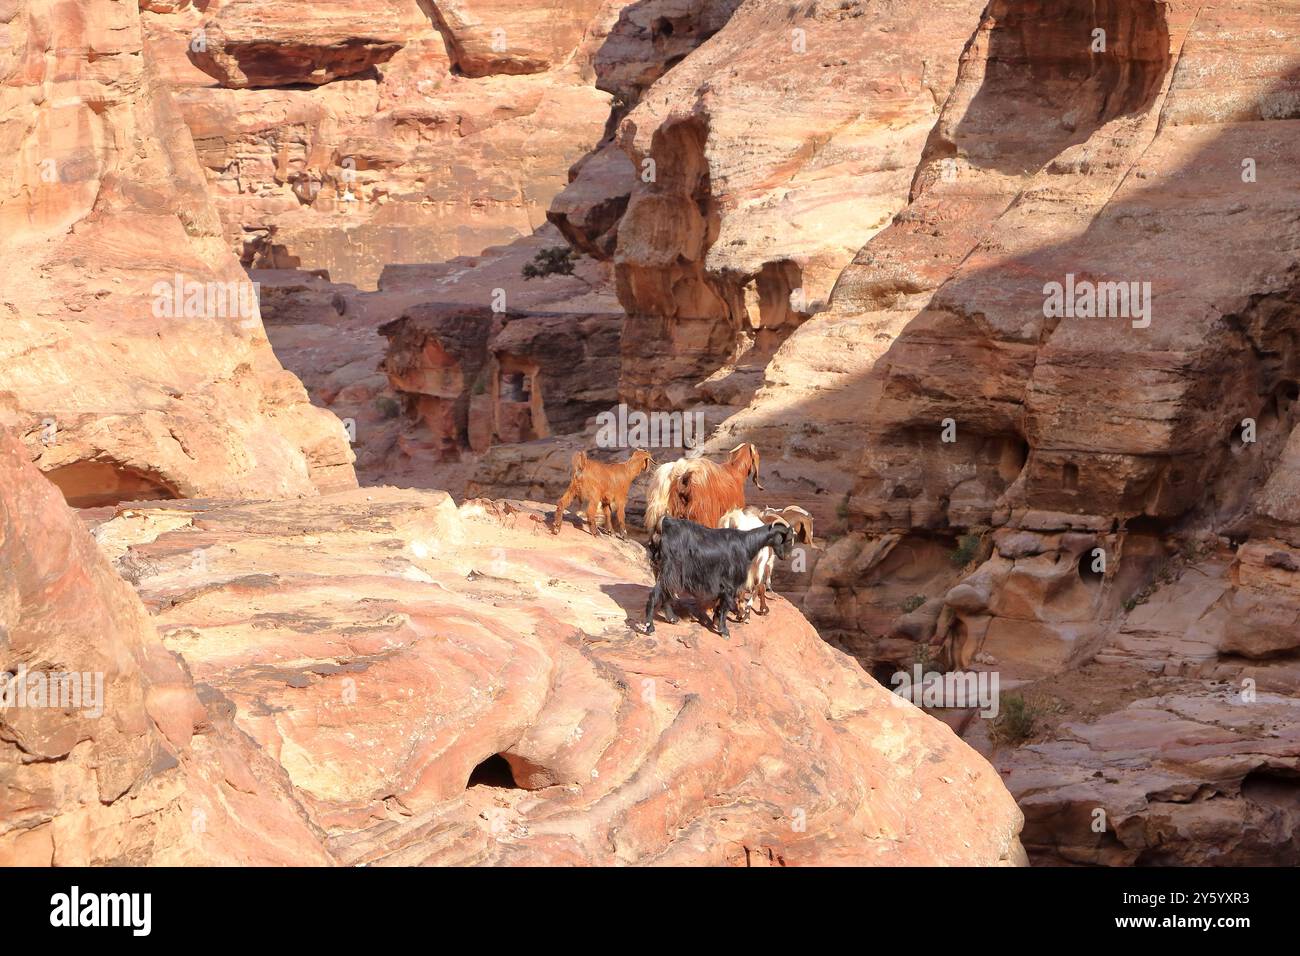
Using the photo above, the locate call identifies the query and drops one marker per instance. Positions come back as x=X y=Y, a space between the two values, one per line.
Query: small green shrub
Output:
x=1016 y=721
x=968 y=546
x=387 y=406
x=912 y=603
x=555 y=260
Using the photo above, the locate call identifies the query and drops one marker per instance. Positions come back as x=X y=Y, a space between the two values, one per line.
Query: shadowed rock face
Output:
x=1072 y=437
x=764 y=160
x=478 y=378
x=132 y=358
x=242 y=43
x=865 y=205
x=486 y=702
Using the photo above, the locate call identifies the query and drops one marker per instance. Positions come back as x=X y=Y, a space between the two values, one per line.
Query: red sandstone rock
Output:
x=417 y=159
x=487 y=37
x=475 y=639
x=778 y=148
x=143 y=770
x=246 y=43
x=1165 y=678
x=1077 y=433
x=105 y=228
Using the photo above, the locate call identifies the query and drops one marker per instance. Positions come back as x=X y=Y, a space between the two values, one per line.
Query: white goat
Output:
x=759 y=579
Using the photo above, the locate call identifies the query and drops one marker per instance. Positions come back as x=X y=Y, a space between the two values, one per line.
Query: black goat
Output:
x=708 y=564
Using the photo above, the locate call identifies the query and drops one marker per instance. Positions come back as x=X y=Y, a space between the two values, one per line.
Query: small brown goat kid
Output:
x=602 y=487
x=700 y=490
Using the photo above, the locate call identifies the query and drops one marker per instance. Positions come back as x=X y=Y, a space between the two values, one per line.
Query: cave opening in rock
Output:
x=101 y=484
x=883 y=674
x=1276 y=787
x=1013 y=456
x=493 y=772
x=1089 y=573
x=1241 y=432
x=514 y=387
x=1147 y=525
x=663 y=27
x=519 y=414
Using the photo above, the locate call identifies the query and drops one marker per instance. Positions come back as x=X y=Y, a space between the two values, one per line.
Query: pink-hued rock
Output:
x=115 y=390
x=967 y=405
x=245 y=43
x=486 y=37
x=1041 y=168
x=777 y=148
x=132 y=766
x=414 y=159
x=383 y=644
x=1193 y=775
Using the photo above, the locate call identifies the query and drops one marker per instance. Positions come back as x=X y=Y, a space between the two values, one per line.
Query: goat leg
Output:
x=561 y=508
x=762 y=599
x=736 y=614
x=720 y=615
x=656 y=597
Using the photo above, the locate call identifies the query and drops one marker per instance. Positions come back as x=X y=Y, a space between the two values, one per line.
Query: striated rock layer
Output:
x=417 y=133
x=764 y=160
x=441 y=687
x=132 y=359
x=1029 y=475
x=133 y=764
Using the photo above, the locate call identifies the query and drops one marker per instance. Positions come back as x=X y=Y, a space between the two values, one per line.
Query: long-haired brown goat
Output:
x=700 y=490
x=603 y=487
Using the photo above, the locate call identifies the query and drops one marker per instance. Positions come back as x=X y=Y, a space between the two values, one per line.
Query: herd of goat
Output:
x=704 y=542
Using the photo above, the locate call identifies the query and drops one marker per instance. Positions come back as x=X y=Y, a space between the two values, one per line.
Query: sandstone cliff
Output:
x=484 y=702
x=845 y=231
x=133 y=360
x=1155 y=439
x=136 y=765
x=416 y=133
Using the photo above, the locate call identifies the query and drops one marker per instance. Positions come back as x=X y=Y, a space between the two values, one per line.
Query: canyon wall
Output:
x=132 y=764
x=380 y=677
x=419 y=132
x=1032 y=477
x=133 y=361
x=1004 y=292
x=765 y=160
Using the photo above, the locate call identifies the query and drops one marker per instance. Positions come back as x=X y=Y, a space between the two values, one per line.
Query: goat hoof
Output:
x=649 y=629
